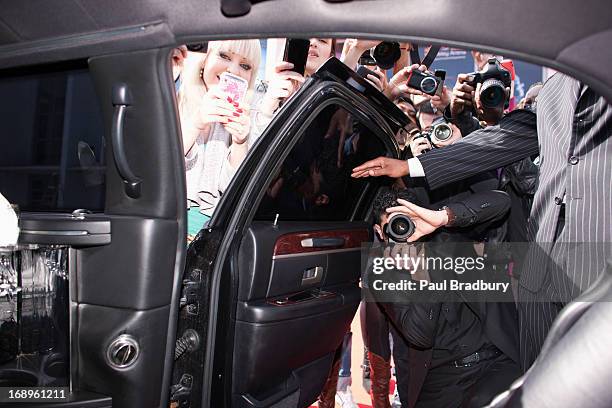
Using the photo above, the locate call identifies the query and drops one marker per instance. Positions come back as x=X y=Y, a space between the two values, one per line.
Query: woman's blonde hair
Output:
x=193 y=88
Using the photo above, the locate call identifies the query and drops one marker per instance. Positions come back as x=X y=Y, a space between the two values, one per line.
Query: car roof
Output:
x=570 y=36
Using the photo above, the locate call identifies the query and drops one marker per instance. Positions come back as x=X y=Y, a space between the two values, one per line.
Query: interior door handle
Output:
x=121 y=99
x=312 y=275
x=322 y=242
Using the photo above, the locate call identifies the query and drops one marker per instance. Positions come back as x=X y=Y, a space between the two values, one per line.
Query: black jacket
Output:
x=475 y=205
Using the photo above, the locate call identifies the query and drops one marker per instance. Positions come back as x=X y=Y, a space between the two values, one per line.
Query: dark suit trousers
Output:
x=467 y=387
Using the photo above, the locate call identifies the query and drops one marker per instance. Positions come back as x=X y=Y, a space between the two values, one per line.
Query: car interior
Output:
x=251 y=313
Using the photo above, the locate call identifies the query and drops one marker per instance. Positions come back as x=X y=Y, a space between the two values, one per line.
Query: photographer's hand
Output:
x=440 y=102
x=419 y=145
x=426 y=221
x=398 y=84
x=463 y=95
x=382 y=166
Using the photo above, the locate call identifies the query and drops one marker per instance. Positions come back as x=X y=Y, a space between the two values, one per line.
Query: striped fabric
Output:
x=572 y=134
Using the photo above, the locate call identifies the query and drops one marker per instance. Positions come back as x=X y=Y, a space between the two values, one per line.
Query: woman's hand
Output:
x=418 y=145
x=239 y=124
x=282 y=86
x=426 y=221
x=215 y=106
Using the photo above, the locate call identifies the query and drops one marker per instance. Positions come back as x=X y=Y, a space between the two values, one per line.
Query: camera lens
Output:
x=492 y=93
x=401 y=228
x=428 y=85
x=441 y=133
x=386 y=54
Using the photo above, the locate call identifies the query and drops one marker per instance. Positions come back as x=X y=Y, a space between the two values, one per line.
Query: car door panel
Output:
x=125 y=253
x=270 y=337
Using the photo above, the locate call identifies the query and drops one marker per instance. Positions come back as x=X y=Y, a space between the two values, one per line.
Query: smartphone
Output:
x=296 y=52
x=234 y=86
x=363 y=72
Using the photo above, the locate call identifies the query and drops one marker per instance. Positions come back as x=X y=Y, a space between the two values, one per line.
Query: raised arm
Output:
x=513 y=139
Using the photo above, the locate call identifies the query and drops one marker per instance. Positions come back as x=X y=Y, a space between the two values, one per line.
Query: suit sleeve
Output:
x=513 y=139
x=480 y=208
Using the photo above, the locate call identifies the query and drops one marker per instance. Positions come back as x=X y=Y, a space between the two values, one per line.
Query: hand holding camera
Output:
x=398 y=85
x=439 y=135
x=462 y=98
x=420 y=145
x=485 y=92
x=424 y=221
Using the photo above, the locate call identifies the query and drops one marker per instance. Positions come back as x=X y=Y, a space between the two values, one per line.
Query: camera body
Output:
x=494 y=79
x=385 y=55
x=425 y=82
x=399 y=228
x=440 y=132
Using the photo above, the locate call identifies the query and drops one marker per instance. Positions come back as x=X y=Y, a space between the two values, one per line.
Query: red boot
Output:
x=380 y=377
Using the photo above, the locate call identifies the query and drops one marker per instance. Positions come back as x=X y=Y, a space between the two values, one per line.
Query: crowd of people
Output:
x=475 y=169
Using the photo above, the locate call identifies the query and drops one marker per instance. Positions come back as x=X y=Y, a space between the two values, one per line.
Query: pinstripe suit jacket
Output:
x=572 y=133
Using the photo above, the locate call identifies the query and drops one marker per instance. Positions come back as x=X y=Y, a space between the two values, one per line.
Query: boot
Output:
x=380 y=377
x=366 y=370
x=328 y=394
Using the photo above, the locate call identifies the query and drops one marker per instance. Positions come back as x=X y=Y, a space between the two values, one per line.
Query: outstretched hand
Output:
x=382 y=166
x=426 y=221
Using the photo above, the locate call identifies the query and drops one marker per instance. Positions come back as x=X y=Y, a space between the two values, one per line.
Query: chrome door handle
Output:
x=322 y=242
x=312 y=275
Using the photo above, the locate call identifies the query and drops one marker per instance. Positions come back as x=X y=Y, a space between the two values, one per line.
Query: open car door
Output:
x=93 y=158
x=273 y=307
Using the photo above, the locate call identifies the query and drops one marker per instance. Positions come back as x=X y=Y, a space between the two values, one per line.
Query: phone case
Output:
x=234 y=86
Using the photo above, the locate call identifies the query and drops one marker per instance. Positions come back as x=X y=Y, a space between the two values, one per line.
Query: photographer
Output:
x=436 y=343
x=575 y=156
x=517 y=179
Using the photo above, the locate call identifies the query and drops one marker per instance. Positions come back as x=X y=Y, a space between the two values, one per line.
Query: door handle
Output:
x=322 y=242
x=312 y=275
x=121 y=99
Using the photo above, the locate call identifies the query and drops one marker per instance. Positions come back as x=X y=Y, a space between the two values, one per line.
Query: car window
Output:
x=314 y=182
x=52 y=149
x=223 y=116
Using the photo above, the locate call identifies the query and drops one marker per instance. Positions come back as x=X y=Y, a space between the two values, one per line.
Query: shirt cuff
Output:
x=415 y=167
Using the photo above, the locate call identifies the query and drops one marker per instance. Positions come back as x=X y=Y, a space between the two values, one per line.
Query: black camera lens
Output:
x=386 y=54
x=400 y=228
x=492 y=93
x=428 y=85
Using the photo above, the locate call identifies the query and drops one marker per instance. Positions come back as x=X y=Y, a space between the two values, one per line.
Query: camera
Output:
x=494 y=79
x=440 y=132
x=385 y=55
x=399 y=228
x=424 y=81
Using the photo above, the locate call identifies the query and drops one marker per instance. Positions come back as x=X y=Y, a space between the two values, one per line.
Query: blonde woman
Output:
x=215 y=128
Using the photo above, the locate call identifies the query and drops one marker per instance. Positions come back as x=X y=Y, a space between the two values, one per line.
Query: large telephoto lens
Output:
x=400 y=228
x=492 y=93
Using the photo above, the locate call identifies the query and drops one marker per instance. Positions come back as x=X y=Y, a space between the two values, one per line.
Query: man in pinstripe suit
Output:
x=573 y=203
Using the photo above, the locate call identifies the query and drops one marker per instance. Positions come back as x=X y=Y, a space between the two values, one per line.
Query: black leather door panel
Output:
x=269 y=352
x=298 y=289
